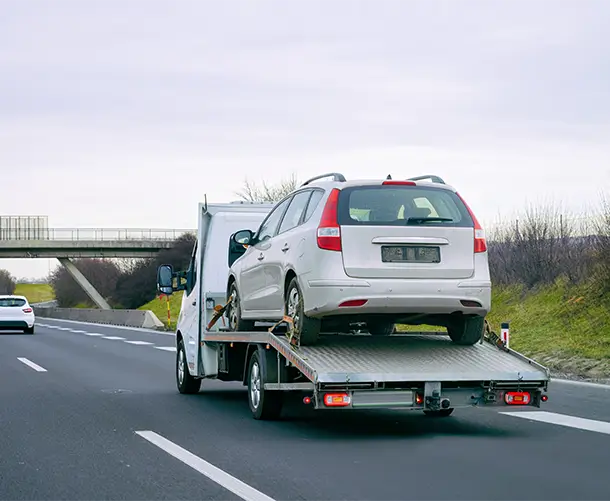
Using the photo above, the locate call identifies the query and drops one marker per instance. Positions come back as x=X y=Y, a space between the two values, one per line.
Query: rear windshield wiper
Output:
x=429 y=220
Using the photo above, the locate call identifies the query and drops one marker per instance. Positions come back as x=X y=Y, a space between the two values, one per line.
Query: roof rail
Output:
x=431 y=177
x=340 y=178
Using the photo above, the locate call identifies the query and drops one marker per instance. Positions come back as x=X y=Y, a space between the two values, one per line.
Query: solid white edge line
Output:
x=214 y=473
x=109 y=326
x=166 y=348
x=31 y=364
x=563 y=420
x=581 y=383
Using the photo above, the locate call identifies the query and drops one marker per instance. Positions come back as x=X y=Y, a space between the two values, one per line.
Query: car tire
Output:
x=236 y=323
x=264 y=404
x=379 y=327
x=466 y=331
x=29 y=330
x=187 y=384
x=307 y=328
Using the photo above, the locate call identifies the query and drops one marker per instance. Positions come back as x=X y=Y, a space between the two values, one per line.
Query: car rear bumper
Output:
x=323 y=297
x=16 y=324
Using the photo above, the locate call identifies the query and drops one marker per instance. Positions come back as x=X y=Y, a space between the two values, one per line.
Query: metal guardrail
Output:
x=93 y=234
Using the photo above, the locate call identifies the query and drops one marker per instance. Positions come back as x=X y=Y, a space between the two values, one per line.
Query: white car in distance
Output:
x=334 y=253
x=16 y=314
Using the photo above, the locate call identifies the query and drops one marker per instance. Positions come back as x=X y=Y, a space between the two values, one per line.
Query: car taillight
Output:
x=480 y=242
x=329 y=232
x=27 y=310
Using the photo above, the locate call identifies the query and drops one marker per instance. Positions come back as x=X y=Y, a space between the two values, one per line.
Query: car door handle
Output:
x=285 y=248
x=261 y=257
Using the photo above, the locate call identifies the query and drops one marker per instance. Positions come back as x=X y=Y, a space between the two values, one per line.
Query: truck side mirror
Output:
x=165 y=278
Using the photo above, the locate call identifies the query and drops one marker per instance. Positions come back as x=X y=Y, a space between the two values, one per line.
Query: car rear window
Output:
x=11 y=301
x=402 y=206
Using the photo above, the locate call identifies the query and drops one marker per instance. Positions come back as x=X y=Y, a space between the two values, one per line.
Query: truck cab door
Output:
x=189 y=314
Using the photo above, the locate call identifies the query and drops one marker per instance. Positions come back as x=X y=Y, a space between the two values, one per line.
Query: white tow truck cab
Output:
x=416 y=371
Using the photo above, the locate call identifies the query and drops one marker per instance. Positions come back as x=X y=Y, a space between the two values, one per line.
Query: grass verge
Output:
x=159 y=307
x=35 y=293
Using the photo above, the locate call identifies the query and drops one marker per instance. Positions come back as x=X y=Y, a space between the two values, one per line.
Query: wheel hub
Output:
x=255 y=385
x=181 y=366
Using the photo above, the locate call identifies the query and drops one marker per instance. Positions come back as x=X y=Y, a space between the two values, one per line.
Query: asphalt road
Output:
x=92 y=412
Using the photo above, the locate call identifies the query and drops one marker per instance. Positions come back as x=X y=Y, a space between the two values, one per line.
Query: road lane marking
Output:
x=214 y=473
x=139 y=343
x=563 y=420
x=114 y=338
x=109 y=326
x=31 y=364
x=93 y=334
x=166 y=348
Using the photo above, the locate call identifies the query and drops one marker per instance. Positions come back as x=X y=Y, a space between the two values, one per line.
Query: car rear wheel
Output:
x=466 y=330
x=380 y=327
x=236 y=323
x=29 y=330
x=307 y=328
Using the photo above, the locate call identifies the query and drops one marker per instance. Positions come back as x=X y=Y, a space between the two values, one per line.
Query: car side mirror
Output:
x=238 y=244
x=243 y=237
x=165 y=279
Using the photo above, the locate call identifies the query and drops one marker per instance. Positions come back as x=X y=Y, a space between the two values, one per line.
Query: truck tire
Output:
x=307 y=328
x=466 y=330
x=187 y=384
x=236 y=323
x=380 y=327
x=439 y=413
x=264 y=404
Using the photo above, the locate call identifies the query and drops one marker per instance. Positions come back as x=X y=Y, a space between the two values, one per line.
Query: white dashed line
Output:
x=31 y=364
x=166 y=348
x=563 y=420
x=114 y=338
x=214 y=473
x=93 y=334
x=139 y=343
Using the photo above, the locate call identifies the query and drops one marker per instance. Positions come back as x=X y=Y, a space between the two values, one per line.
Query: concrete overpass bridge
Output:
x=18 y=241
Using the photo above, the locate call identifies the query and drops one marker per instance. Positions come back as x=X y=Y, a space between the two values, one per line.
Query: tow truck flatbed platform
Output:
x=406 y=357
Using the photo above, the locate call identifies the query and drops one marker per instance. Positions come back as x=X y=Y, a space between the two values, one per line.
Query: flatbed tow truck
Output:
x=411 y=371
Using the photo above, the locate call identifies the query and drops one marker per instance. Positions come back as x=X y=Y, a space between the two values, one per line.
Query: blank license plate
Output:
x=410 y=253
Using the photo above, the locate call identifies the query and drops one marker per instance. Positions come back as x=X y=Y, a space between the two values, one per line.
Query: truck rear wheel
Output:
x=186 y=383
x=380 y=327
x=466 y=330
x=307 y=328
x=439 y=413
x=264 y=404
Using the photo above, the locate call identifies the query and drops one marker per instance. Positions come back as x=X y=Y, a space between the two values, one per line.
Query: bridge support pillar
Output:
x=95 y=296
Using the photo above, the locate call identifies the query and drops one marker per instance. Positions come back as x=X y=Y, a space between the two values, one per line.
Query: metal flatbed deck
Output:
x=361 y=358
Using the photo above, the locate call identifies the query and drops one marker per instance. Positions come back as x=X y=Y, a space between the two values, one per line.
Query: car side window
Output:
x=270 y=225
x=316 y=196
x=293 y=214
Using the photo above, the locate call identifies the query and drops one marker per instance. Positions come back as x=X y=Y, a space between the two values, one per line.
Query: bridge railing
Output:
x=92 y=234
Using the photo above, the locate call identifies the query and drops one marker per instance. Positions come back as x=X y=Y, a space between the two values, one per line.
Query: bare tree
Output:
x=7 y=282
x=267 y=193
x=602 y=248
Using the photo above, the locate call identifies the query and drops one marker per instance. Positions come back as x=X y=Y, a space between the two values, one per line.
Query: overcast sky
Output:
x=117 y=113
